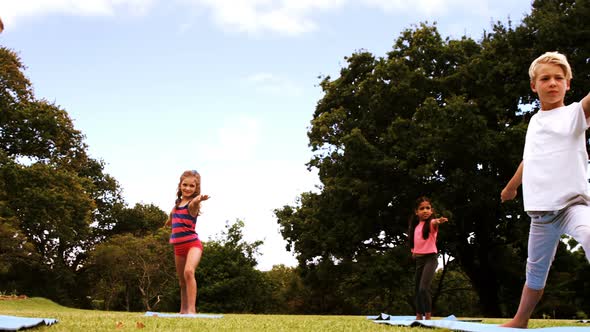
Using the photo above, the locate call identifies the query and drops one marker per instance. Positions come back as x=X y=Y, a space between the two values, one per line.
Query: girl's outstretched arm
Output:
x=195 y=205
x=168 y=220
x=440 y=220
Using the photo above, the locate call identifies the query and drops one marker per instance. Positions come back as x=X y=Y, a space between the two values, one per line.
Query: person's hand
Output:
x=441 y=220
x=507 y=194
x=168 y=221
x=201 y=198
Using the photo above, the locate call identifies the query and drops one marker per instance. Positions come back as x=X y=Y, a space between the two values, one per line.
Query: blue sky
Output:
x=227 y=87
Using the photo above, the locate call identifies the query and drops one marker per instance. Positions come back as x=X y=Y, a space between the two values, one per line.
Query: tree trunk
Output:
x=477 y=267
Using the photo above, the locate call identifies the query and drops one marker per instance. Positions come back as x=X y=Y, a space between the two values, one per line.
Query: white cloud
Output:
x=287 y=17
x=273 y=84
x=13 y=10
x=437 y=8
x=425 y=6
x=236 y=140
x=184 y=27
x=253 y=17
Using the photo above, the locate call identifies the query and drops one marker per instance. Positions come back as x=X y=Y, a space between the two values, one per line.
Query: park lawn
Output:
x=93 y=320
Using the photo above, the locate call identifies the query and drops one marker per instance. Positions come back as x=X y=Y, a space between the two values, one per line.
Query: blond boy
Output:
x=553 y=176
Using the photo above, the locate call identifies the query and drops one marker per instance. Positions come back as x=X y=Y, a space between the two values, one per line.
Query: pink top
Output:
x=427 y=246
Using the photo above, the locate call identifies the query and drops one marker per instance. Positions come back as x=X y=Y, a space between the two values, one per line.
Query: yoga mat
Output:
x=168 y=315
x=383 y=316
x=14 y=323
x=452 y=323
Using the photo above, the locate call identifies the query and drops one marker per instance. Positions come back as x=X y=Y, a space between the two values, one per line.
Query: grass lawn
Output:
x=92 y=320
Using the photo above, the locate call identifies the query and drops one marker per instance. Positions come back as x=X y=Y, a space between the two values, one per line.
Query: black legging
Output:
x=425 y=268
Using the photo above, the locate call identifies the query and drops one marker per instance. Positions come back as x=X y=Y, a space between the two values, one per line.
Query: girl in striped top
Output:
x=187 y=246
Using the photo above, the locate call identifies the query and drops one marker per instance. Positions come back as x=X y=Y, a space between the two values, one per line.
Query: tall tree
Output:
x=56 y=197
x=445 y=118
x=391 y=129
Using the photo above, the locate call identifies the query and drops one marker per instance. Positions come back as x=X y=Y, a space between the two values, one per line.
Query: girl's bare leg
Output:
x=180 y=261
x=192 y=261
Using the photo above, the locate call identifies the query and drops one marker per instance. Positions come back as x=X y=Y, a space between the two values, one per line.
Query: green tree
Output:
x=430 y=119
x=455 y=296
x=445 y=118
x=56 y=199
x=140 y=220
x=133 y=273
x=391 y=129
x=227 y=278
x=32 y=129
x=14 y=246
x=289 y=295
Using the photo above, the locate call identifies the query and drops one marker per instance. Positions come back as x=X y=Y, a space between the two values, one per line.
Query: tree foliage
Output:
x=439 y=117
x=133 y=273
x=54 y=199
x=67 y=234
x=227 y=278
x=436 y=116
x=289 y=294
x=141 y=220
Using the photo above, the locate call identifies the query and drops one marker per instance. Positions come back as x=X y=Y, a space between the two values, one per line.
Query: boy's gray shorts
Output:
x=547 y=227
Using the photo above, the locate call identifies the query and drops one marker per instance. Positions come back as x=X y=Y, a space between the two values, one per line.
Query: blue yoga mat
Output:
x=15 y=323
x=452 y=323
x=168 y=315
x=383 y=316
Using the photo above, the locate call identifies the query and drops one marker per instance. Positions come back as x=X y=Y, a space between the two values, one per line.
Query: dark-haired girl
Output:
x=423 y=229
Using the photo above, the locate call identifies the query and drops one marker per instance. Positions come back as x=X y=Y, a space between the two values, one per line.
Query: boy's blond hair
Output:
x=555 y=58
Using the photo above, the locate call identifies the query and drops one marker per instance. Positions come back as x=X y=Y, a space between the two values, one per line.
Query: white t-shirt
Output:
x=555 y=159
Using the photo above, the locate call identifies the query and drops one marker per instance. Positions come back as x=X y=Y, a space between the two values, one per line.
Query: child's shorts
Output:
x=545 y=232
x=182 y=249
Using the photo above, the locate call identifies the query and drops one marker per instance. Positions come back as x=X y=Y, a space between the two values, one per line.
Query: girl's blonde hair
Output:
x=555 y=58
x=188 y=174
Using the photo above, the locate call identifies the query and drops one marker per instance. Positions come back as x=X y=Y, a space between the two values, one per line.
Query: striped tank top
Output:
x=183 y=226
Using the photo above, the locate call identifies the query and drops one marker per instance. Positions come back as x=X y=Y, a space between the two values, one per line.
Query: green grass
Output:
x=93 y=320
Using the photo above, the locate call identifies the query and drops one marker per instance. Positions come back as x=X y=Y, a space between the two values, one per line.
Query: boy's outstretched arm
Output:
x=586 y=105
x=509 y=192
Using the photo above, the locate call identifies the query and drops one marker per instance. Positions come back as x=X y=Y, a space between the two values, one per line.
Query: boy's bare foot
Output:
x=516 y=324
